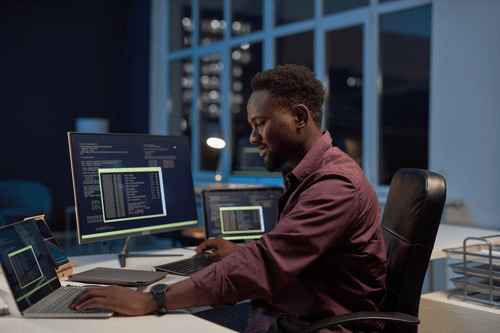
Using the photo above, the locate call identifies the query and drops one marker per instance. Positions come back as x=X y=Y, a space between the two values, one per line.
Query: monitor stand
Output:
x=122 y=256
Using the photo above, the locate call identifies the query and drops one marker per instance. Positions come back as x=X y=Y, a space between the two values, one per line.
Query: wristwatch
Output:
x=159 y=291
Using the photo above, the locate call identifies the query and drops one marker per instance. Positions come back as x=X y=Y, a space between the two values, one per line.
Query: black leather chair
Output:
x=410 y=222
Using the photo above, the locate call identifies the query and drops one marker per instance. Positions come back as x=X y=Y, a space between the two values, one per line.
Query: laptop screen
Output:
x=26 y=263
x=240 y=214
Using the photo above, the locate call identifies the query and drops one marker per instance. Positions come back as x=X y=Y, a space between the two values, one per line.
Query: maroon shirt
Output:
x=326 y=255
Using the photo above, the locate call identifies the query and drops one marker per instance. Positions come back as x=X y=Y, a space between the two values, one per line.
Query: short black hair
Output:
x=296 y=84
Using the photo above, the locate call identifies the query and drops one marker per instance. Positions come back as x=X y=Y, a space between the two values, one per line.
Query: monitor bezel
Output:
x=85 y=239
x=241 y=238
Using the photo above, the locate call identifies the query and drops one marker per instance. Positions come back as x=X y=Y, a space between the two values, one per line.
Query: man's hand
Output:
x=222 y=248
x=115 y=298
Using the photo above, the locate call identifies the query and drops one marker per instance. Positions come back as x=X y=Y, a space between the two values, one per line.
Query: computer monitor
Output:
x=240 y=214
x=131 y=184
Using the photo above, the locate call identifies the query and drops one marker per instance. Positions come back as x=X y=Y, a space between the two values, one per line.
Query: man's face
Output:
x=273 y=130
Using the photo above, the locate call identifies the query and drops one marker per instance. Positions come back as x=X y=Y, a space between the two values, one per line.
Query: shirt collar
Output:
x=309 y=162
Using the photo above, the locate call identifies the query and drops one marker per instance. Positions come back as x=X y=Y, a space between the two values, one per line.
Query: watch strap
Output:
x=159 y=296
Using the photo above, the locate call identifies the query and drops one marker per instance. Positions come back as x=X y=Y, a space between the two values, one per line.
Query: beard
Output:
x=273 y=162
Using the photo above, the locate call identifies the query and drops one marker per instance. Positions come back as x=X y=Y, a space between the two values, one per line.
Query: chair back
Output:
x=410 y=222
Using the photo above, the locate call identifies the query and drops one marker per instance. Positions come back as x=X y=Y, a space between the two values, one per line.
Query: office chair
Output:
x=23 y=198
x=410 y=222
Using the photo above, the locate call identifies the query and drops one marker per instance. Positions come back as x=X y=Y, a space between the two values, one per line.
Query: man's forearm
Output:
x=185 y=294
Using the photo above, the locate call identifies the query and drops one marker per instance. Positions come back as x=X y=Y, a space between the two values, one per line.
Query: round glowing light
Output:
x=213 y=108
x=236 y=25
x=216 y=143
x=236 y=55
x=214 y=94
x=214 y=24
x=237 y=86
x=186 y=21
x=205 y=79
x=237 y=71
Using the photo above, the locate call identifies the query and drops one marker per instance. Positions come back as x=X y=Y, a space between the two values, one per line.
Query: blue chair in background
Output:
x=23 y=198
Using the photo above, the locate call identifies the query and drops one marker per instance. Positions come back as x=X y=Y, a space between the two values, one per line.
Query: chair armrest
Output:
x=396 y=317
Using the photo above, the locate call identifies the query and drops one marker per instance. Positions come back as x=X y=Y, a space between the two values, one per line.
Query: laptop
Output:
x=236 y=214
x=31 y=276
x=119 y=276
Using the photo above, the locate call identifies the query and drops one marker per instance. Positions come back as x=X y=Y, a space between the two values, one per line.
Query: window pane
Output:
x=212 y=25
x=344 y=77
x=337 y=6
x=404 y=100
x=246 y=62
x=180 y=25
x=246 y=16
x=180 y=96
x=289 y=11
x=209 y=108
x=296 y=49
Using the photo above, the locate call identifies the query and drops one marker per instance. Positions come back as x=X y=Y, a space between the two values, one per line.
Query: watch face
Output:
x=159 y=288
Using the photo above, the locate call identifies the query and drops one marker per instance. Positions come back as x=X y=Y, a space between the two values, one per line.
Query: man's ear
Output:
x=301 y=114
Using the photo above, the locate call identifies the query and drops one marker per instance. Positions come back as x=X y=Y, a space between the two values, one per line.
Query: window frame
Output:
x=367 y=17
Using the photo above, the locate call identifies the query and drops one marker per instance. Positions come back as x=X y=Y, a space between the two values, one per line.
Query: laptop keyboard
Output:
x=60 y=304
x=57 y=302
x=187 y=266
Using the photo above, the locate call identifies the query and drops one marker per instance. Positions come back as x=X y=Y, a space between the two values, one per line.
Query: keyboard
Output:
x=60 y=304
x=187 y=266
x=57 y=302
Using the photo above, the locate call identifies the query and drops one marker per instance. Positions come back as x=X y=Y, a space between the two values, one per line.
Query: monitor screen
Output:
x=240 y=214
x=131 y=184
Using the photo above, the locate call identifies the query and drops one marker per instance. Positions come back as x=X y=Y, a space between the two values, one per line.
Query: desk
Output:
x=439 y=313
x=450 y=236
x=175 y=321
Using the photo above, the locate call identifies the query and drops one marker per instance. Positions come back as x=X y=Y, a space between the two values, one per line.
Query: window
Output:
x=344 y=81
x=246 y=61
x=296 y=49
x=246 y=17
x=404 y=99
x=372 y=56
x=289 y=11
x=180 y=20
x=180 y=96
x=337 y=6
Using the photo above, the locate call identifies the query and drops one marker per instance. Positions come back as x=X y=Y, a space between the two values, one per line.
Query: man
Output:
x=325 y=256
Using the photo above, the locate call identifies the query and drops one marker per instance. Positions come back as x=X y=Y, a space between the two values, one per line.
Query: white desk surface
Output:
x=440 y=313
x=451 y=236
x=174 y=321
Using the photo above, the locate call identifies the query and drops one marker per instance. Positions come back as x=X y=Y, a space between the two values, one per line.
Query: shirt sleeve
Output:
x=322 y=217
